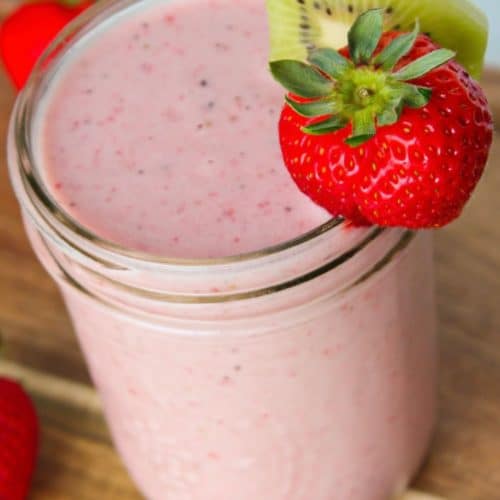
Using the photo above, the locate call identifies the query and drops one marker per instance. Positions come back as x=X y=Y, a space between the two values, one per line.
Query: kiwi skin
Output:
x=297 y=26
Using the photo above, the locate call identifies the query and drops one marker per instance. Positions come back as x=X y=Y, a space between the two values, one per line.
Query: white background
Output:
x=492 y=9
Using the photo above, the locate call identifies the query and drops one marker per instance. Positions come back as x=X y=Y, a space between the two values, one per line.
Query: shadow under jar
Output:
x=303 y=371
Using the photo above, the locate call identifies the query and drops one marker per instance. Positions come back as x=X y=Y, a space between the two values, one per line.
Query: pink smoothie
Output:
x=160 y=134
x=305 y=373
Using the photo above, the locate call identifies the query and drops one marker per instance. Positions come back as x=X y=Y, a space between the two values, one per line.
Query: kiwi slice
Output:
x=297 y=26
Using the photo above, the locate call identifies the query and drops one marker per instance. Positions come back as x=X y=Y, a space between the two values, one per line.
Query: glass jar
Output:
x=302 y=371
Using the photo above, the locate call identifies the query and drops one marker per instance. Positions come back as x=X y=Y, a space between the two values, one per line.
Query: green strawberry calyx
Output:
x=73 y=3
x=365 y=90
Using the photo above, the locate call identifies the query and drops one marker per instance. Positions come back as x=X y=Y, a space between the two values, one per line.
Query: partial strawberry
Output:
x=387 y=131
x=28 y=31
x=18 y=441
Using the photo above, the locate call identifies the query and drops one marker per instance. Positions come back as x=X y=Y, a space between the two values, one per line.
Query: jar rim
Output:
x=22 y=131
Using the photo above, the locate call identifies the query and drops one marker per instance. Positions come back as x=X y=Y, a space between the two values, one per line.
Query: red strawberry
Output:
x=26 y=33
x=388 y=131
x=18 y=441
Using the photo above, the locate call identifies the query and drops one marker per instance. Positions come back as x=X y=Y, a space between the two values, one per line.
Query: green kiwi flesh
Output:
x=297 y=26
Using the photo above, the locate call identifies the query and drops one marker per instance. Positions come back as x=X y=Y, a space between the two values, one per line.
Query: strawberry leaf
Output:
x=426 y=92
x=327 y=126
x=414 y=97
x=70 y=3
x=425 y=64
x=330 y=62
x=365 y=35
x=312 y=109
x=363 y=126
x=301 y=79
x=354 y=142
x=360 y=88
x=397 y=49
x=387 y=117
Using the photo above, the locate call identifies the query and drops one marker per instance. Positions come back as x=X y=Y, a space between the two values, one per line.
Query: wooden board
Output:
x=77 y=461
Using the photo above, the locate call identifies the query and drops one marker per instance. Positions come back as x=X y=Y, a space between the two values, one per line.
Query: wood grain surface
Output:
x=77 y=461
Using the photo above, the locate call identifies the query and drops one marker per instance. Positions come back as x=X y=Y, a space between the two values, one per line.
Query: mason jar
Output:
x=304 y=371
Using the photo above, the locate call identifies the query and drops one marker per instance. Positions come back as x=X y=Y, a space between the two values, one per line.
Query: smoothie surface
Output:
x=159 y=133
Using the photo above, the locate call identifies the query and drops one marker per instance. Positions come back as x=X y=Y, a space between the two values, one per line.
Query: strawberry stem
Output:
x=365 y=91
